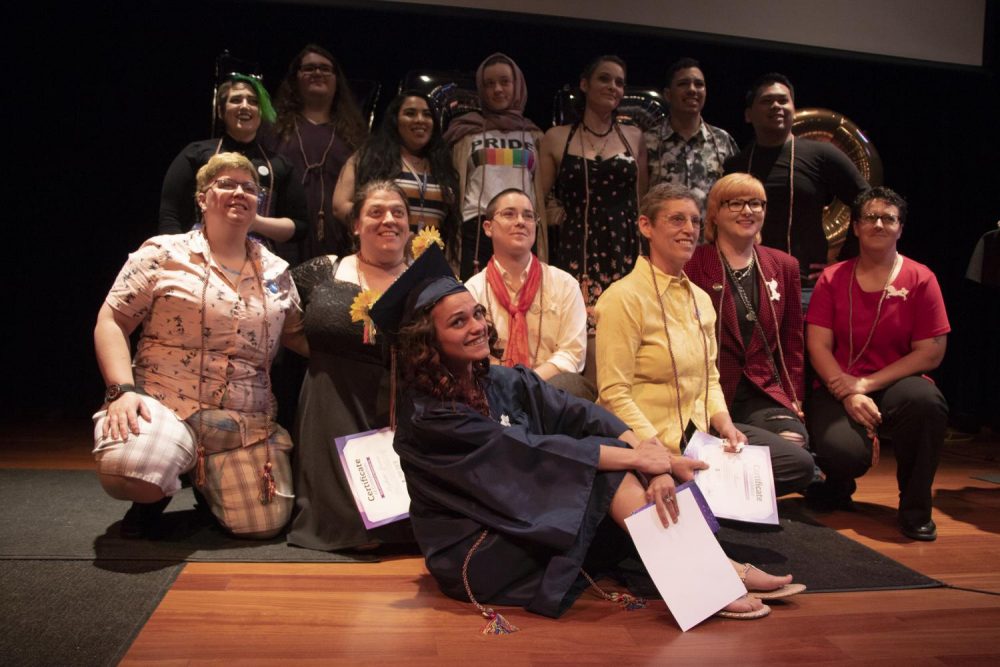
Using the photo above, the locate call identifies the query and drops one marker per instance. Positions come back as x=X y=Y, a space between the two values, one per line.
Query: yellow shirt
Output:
x=635 y=376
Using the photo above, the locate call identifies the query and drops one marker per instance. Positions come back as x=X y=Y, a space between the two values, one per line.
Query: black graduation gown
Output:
x=534 y=484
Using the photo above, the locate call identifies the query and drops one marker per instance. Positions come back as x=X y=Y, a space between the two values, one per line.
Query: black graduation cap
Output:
x=428 y=280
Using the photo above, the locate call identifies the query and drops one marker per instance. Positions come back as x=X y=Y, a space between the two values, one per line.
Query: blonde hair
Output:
x=726 y=188
x=217 y=164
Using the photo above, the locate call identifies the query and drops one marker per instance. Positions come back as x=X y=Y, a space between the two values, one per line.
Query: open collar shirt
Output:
x=636 y=378
x=557 y=319
x=161 y=287
x=696 y=162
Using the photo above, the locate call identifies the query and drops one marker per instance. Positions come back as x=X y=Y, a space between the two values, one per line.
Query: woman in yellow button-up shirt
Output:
x=637 y=358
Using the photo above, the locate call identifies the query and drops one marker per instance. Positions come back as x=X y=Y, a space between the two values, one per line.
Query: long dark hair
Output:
x=379 y=159
x=424 y=370
x=344 y=112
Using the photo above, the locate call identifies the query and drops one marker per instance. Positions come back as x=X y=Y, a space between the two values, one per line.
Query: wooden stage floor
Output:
x=392 y=613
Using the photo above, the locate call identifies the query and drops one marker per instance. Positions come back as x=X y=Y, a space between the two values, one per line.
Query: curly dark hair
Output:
x=379 y=159
x=420 y=357
x=344 y=112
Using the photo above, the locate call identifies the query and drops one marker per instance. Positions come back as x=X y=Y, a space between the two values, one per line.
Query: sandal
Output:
x=745 y=615
x=785 y=591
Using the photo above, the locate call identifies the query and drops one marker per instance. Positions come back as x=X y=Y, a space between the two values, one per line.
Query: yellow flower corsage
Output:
x=423 y=240
x=360 y=309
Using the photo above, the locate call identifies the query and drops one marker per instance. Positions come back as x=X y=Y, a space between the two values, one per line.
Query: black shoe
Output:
x=926 y=532
x=142 y=518
x=825 y=497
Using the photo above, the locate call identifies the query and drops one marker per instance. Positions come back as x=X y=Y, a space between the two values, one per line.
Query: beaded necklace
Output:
x=851 y=358
x=268 y=487
x=318 y=166
x=585 y=280
x=791 y=188
x=670 y=349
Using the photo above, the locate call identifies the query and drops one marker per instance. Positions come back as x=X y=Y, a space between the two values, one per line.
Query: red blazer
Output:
x=705 y=270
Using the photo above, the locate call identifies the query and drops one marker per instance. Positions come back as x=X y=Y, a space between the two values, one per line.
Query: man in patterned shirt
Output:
x=683 y=149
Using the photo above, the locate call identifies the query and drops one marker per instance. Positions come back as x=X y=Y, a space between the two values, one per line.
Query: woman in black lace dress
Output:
x=346 y=389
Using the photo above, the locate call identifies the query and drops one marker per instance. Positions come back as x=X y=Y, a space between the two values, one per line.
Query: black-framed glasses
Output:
x=736 y=205
x=230 y=184
x=316 y=68
x=888 y=219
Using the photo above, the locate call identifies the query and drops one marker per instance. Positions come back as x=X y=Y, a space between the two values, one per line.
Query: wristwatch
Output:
x=115 y=391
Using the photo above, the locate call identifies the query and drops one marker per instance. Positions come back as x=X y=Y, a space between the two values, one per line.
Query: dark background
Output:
x=100 y=100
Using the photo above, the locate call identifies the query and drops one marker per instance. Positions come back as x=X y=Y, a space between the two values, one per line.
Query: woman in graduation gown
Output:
x=514 y=486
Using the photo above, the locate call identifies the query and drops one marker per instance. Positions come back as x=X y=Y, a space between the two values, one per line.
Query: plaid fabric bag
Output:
x=233 y=456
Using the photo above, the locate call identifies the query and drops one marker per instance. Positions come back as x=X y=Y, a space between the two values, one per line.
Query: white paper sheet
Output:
x=736 y=486
x=685 y=562
x=376 y=478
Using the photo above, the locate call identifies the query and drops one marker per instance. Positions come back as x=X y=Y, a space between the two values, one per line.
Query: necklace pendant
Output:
x=751 y=316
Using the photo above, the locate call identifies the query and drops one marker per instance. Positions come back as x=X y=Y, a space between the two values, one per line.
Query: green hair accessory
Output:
x=267 y=112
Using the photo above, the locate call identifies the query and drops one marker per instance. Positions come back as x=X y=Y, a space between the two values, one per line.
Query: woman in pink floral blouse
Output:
x=213 y=306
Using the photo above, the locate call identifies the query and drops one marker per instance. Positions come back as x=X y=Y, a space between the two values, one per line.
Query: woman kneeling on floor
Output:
x=213 y=305
x=469 y=431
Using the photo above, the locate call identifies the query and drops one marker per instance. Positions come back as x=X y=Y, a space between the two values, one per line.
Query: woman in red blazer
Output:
x=757 y=296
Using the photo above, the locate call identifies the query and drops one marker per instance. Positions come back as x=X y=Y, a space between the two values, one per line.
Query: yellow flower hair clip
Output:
x=424 y=239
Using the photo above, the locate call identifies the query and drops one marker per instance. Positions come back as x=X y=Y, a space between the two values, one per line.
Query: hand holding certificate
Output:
x=739 y=485
x=376 y=478
x=685 y=561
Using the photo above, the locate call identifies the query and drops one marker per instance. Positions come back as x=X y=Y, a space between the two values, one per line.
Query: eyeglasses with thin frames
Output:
x=230 y=184
x=510 y=216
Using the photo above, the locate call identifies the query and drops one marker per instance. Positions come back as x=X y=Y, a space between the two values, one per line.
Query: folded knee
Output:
x=793 y=437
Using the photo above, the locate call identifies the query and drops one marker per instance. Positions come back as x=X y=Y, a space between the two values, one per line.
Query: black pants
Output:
x=761 y=419
x=914 y=420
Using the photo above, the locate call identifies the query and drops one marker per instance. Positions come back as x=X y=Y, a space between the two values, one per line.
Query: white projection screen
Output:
x=947 y=31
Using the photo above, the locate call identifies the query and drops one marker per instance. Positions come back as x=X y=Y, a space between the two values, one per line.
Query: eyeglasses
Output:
x=888 y=219
x=736 y=205
x=229 y=185
x=313 y=68
x=511 y=215
x=678 y=220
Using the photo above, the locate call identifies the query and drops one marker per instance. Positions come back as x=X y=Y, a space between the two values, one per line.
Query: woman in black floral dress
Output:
x=599 y=170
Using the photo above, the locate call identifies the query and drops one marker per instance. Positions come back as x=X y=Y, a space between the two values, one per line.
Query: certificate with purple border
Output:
x=376 y=478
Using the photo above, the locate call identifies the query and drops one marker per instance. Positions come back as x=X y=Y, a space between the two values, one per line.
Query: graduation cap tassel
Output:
x=626 y=601
x=497 y=624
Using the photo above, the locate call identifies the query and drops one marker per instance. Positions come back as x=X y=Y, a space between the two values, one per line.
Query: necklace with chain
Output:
x=318 y=166
x=791 y=188
x=670 y=349
x=740 y=274
x=851 y=358
x=752 y=316
x=268 y=487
